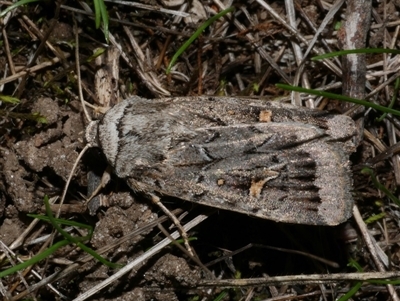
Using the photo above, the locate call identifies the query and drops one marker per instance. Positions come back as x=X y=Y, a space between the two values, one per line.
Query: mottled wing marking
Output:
x=265 y=159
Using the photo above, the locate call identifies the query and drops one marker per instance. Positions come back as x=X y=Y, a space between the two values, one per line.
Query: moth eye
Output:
x=220 y=182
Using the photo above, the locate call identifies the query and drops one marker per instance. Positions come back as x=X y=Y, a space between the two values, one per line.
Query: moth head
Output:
x=91 y=134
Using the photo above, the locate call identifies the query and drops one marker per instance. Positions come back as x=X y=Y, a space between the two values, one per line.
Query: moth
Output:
x=261 y=158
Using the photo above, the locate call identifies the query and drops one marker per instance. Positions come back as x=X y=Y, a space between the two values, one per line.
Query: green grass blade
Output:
x=368 y=171
x=15 y=5
x=351 y=292
x=394 y=97
x=353 y=51
x=104 y=17
x=374 y=218
x=101 y=16
x=34 y=259
x=64 y=222
x=9 y=99
x=32 y=116
x=74 y=240
x=339 y=97
x=97 y=13
x=196 y=35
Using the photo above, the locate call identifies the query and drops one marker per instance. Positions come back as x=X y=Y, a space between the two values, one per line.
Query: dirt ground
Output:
x=241 y=54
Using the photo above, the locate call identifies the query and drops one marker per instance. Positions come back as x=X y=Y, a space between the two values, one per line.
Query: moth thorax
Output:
x=91 y=134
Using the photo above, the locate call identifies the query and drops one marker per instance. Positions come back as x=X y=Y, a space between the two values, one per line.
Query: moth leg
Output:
x=156 y=200
x=103 y=182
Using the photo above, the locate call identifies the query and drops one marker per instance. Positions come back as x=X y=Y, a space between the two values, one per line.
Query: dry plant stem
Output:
x=298 y=279
x=387 y=25
x=27 y=29
x=261 y=50
x=133 y=24
x=384 y=230
x=379 y=20
x=389 y=126
x=272 y=288
x=300 y=37
x=237 y=75
x=37 y=240
x=385 y=154
x=66 y=208
x=70 y=177
x=36 y=68
x=250 y=294
x=4 y=293
x=254 y=23
x=30 y=269
x=151 y=8
x=395 y=122
x=257 y=58
x=19 y=241
x=161 y=57
x=383 y=85
x=86 y=258
x=21 y=274
x=353 y=35
x=43 y=41
x=8 y=53
x=42 y=38
x=78 y=74
x=318 y=31
x=140 y=260
x=395 y=37
x=395 y=159
x=147 y=80
x=130 y=237
x=368 y=241
x=167 y=42
x=200 y=66
x=375 y=141
x=11 y=14
x=323 y=292
x=267 y=73
x=327 y=19
x=290 y=12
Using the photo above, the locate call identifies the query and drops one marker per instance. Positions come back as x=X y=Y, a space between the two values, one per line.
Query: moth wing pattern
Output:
x=264 y=159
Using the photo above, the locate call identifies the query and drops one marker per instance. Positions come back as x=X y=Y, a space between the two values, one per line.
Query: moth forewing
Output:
x=264 y=159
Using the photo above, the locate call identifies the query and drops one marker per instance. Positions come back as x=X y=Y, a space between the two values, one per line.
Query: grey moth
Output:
x=261 y=158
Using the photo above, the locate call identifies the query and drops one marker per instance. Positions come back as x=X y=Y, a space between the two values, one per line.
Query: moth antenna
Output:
x=87 y=146
x=83 y=151
x=78 y=71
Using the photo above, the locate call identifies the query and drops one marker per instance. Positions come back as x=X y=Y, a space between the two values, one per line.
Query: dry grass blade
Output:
x=140 y=260
x=300 y=279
